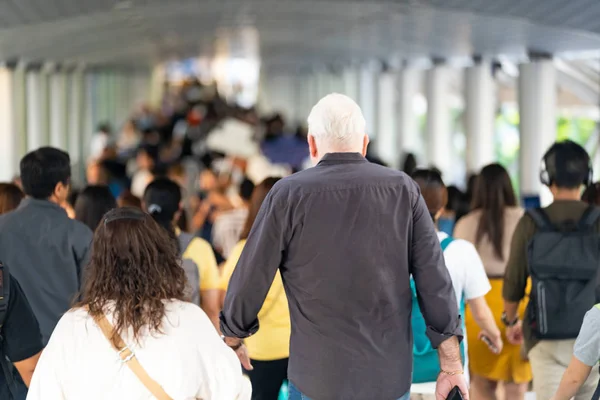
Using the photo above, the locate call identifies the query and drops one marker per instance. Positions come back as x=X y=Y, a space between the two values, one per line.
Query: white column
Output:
x=8 y=140
x=89 y=95
x=537 y=109
x=157 y=85
x=368 y=88
x=387 y=131
x=19 y=110
x=351 y=83
x=439 y=138
x=408 y=123
x=75 y=124
x=58 y=110
x=480 y=113
x=37 y=109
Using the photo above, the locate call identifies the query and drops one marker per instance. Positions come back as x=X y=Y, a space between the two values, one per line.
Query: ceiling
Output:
x=293 y=33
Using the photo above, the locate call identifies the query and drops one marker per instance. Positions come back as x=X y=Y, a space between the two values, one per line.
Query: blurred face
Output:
x=144 y=161
x=95 y=175
x=208 y=180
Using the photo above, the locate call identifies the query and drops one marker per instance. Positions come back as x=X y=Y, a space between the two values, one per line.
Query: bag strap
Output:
x=128 y=357
x=539 y=216
x=589 y=218
x=446 y=242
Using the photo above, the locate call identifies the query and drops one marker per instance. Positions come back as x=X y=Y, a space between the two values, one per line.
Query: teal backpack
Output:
x=426 y=366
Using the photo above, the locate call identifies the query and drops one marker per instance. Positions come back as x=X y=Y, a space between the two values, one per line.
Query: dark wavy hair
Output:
x=258 y=196
x=492 y=195
x=134 y=267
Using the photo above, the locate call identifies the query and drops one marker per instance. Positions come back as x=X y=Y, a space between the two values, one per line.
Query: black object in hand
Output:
x=455 y=394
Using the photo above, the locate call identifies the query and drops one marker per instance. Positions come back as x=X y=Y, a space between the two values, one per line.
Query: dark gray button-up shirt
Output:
x=346 y=236
x=46 y=252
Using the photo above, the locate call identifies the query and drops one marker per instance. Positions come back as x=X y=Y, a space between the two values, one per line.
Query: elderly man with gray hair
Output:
x=346 y=236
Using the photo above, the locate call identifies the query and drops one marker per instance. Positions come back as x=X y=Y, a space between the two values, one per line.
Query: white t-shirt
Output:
x=469 y=281
x=189 y=361
x=466 y=269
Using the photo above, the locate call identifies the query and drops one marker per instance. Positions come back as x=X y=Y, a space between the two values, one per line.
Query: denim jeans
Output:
x=295 y=394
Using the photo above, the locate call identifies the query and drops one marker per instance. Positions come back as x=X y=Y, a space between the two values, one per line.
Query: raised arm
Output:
x=255 y=271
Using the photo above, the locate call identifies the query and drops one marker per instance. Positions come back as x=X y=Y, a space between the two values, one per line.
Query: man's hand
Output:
x=514 y=333
x=451 y=363
x=241 y=351
x=495 y=338
x=445 y=384
x=244 y=357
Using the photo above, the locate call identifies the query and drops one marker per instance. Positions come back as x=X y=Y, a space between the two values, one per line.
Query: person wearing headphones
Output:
x=557 y=248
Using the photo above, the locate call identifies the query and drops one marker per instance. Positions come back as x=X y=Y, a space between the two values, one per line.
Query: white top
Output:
x=140 y=181
x=189 y=361
x=466 y=269
x=469 y=281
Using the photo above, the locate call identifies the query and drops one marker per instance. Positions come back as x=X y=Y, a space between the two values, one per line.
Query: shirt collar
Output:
x=31 y=202
x=340 y=158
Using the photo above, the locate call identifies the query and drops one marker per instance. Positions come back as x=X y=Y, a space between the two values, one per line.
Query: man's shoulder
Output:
x=370 y=174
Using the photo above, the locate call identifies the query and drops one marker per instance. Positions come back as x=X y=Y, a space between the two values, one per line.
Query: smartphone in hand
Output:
x=489 y=344
x=455 y=394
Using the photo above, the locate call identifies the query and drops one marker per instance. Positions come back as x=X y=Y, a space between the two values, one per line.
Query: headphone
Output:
x=546 y=179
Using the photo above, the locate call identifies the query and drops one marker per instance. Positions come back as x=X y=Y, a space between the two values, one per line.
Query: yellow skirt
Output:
x=508 y=366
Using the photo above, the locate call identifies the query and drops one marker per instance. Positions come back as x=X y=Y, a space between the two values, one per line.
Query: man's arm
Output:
x=586 y=354
x=255 y=271
x=434 y=286
x=23 y=340
x=515 y=276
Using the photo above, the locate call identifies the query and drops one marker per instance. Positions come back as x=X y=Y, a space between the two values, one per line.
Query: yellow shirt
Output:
x=200 y=252
x=272 y=341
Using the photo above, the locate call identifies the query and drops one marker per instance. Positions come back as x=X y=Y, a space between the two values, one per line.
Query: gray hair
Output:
x=337 y=123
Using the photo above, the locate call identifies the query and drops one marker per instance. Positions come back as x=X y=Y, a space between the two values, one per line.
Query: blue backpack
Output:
x=426 y=365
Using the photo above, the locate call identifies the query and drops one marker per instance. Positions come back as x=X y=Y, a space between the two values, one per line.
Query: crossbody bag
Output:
x=128 y=357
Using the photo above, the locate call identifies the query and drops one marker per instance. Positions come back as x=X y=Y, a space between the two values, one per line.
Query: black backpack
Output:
x=563 y=264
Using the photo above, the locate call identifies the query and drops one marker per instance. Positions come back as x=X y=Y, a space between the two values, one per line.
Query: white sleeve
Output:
x=221 y=370
x=47 y=377
x=477 y=283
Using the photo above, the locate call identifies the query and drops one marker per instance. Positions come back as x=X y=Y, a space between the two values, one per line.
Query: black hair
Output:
x=567 y=165
x=72 y=198
x=591 y=195
x=151 y=150
x=161 y=200
x=92 y=203
x=409 y=165
x=246 y=189
x=433 y=190
x=492 y=194
x=457 y=202
x=42 y=170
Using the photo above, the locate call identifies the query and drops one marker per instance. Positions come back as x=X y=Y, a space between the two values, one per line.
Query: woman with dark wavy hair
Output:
x=133 y=334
